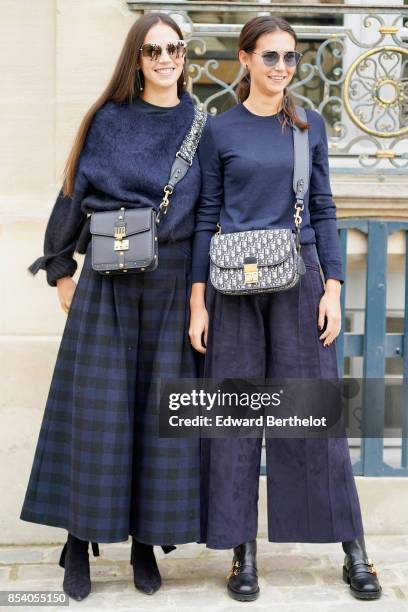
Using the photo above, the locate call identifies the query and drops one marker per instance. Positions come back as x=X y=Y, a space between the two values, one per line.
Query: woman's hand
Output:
x=66 y=289
x=329 y=308
x=198 y=318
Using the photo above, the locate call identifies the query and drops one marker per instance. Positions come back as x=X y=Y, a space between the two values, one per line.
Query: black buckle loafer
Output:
x=362 y=577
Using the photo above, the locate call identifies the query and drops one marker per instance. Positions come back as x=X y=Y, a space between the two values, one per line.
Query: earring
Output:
x=139 y=81
x=184 y=78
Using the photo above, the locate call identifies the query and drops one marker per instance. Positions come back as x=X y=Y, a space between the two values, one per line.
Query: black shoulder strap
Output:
x=184 y=158
x=301 y=152
x=300 y=170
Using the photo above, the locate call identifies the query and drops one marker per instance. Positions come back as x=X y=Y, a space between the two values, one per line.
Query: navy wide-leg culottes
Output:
x=100 y=469
x=311 y=492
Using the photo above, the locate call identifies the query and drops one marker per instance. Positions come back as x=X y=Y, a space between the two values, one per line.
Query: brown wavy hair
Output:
x=123 y=85
x=248 y=38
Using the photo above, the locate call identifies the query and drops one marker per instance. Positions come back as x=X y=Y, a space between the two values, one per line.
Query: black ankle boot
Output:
x=75 y=559
x=146 y=575
x=243 y=577
x=359 y=571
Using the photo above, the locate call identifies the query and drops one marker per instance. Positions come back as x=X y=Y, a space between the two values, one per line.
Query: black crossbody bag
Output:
x=125 y=240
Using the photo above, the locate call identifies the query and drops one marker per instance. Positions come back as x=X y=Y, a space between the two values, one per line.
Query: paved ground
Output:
x=292 y=577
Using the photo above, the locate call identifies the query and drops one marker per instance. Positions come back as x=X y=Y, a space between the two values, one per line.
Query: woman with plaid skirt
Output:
x=247 y=162
x=100 y=469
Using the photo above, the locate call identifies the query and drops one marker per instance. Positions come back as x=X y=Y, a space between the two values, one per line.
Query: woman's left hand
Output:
x=329 y=308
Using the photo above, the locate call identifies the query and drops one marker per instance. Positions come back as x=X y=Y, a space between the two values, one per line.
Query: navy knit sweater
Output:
x=247 y=173
x=127 y=156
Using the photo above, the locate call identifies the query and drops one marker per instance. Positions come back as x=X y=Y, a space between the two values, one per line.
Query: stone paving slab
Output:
x=292 y=577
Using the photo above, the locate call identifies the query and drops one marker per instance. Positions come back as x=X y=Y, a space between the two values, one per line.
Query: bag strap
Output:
x=184 y=158
x=301 y=169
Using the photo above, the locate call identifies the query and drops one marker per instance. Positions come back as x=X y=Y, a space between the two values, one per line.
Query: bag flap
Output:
x=270 y=247
x=137 y=220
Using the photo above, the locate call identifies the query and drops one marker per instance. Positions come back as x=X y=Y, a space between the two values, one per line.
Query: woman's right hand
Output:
x=198 y=318
x=66 y=289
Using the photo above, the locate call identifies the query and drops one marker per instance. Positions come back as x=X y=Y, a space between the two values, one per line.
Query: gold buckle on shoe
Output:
x=234 y=571
x=372 y=567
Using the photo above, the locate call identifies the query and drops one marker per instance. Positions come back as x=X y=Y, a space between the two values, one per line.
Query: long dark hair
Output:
x=248 y=38
x=122 y=86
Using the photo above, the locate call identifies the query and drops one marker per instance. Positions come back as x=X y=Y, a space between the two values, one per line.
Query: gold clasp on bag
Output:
x=121 y=245
x=120 y=232
x=250 y=270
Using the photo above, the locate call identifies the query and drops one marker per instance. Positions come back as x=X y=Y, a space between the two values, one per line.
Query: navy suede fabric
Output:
x=312 y=495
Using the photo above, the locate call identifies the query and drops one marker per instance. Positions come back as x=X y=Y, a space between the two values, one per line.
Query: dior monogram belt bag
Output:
x=265 y=260
x=125 y=239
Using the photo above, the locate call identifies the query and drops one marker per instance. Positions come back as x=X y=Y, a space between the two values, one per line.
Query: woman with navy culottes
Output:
x=100 y=470
x=247 y=158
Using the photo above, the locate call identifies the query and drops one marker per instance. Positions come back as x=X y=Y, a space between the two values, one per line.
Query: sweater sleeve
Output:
x=67 y=219
x=61 y=234
x=323 y=210
x=209 y=203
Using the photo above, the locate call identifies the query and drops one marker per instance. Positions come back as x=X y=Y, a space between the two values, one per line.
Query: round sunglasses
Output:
x=153 y=51
x=271 y=58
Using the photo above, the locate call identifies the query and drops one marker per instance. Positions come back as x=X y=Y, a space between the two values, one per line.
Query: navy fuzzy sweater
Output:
x=127 y=156
x=247 y=172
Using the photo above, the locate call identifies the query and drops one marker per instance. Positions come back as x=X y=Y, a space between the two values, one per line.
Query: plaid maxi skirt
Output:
x=100 y=469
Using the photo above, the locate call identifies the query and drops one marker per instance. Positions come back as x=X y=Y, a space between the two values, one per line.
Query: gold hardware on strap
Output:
x=251 y=273
x=219 y=229
x=372 y=567
x=298 y=218
x=165 y=202
x=168 y=190
x=121 y=245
